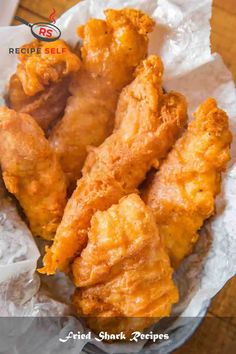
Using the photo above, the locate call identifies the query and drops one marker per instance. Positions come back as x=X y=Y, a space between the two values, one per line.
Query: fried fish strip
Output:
x=182 y=193
x=125 y=271
x=147 y=124
x=111 y=51
x=40 y=85
x=31 y=172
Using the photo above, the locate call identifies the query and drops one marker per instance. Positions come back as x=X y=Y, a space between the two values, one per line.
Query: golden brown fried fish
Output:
x=147 y=125
x=111 y=51
x=182 y=193
x=31 y=172
x=124 y=270
x=40 y=85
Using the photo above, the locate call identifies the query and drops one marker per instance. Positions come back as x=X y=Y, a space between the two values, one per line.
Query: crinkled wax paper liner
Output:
x=182 y=38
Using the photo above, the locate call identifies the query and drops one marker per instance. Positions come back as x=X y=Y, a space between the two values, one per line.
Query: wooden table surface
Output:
x=217 y=333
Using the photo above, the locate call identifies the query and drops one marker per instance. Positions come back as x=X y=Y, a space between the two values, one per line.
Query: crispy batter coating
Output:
x=113 y=48
x=124 y=273
x=31 y=172
x=147 y=125
x=40 y=86
x=182 y=193
x=111 y=51
x=45 y=107
x=36 y=71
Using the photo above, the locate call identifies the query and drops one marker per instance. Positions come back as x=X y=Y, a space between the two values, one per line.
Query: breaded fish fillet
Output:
x=31 y=172
x=147 y=124
x=40 y=85
x=182 y=193
x=111 y=51
x=124 y=270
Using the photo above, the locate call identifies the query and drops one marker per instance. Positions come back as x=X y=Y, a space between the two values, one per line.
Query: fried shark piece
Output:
x=124 y=274
x=40 y=86
x=111 y=50
x=182 y=193
x=32 y=172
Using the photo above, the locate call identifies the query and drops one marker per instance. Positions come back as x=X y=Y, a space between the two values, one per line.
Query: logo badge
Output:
x=44 y=31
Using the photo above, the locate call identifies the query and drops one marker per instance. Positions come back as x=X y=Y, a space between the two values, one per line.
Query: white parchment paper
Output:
x=182 y=39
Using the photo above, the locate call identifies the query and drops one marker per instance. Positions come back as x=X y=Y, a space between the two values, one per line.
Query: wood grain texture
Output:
x=45 y=7
x=214 y=336
x=224 y=304
x=228 y=5
x=217 y=333
x=223 y=35
x=28 y=15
